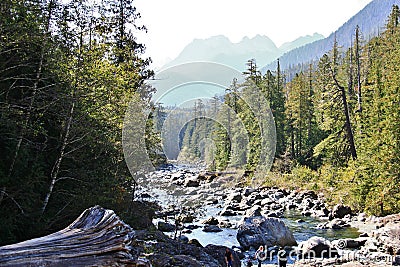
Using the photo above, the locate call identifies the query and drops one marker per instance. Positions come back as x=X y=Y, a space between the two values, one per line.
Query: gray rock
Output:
x=340 y=211
x=334 y=224
x=165 y=227
x=247 y=191
x=227 y=212
x=316 y=247
x=195 y=242
x=254 y=211
x=186 y=218
x=184 y=239
x=225 y=224
x=234 y=197
x=258 y=230
x=191 y=182
x=211 y=229
x=211 y=221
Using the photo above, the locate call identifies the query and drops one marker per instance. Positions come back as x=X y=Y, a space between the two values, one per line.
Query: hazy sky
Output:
x=172 y=24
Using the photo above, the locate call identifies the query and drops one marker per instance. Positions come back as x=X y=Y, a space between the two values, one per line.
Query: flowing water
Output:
x=301 y=230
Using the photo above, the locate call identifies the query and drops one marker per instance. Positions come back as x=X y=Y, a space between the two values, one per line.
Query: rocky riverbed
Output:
x=207 y=209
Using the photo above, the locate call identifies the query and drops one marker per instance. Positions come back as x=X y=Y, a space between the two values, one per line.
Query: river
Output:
x=161 y=189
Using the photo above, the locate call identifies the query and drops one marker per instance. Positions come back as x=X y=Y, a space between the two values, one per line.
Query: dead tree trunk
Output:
x=96 y=238
x=349 y=130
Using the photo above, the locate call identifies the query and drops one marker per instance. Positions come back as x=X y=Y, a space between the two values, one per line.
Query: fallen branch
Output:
x=96 y=238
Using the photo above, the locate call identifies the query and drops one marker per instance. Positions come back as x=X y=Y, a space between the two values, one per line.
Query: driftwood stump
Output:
x=96 y=238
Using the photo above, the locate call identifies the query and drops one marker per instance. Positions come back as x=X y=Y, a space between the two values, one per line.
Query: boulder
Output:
x=339 y=211
x=165 y=227
x=191 y=182
x=227 y=212
x=247 y=191
x=235 y=197
x=195 y=242
x=211 y=221
x=316 y=247
x=255 y=211
x=177 y=176
x=184 y=239
x=211 y=229
x=334 y=224
x=186 y=218
x=259 y=230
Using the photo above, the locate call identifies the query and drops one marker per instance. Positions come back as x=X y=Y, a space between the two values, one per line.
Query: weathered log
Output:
x=96 y=238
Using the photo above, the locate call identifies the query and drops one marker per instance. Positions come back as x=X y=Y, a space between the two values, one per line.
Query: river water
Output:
x=302 y=231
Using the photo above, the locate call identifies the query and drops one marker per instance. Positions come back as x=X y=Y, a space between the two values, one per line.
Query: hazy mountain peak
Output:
x=221 y=50
x=303 y=40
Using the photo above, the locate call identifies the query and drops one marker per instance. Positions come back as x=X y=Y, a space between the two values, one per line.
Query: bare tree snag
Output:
x=98 y=237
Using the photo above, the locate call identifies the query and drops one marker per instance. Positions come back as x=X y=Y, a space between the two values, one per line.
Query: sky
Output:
x=172 y=24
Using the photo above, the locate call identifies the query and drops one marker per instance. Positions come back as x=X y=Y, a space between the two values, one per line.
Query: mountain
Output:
x=371 y=20
x=221 y=50
x=301 y=41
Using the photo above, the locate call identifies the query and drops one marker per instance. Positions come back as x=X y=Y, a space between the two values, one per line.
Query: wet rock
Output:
x=306 y=213
x=192 y=226
x=258 y=230
x=211 y=229
x=165 y=227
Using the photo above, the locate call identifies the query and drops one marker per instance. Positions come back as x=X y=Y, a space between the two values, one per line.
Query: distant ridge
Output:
x=371 y=20
x=220 y=49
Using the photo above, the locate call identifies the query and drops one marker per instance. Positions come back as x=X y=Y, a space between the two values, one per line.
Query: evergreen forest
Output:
x=69 y=69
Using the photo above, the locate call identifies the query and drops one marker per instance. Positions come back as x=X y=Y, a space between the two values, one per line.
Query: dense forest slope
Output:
x=371 y=20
